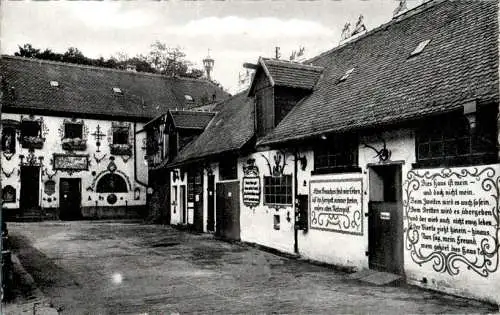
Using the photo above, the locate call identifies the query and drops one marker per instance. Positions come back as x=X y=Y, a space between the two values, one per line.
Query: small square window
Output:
x=276 y=222
x=278 y=190
x=72 y=131
x=228 y=169
x=120 y=135
x=30 y=129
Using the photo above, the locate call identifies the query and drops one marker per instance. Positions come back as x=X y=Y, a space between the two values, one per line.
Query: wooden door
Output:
x=385 y=223
x=195 y=197
x=228 y=210
x=182 y=204
x=211 y=203
x=70 y=198
x=30 y=188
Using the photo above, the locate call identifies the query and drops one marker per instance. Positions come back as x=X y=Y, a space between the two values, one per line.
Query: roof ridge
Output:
x=291 y=64
x=76 y=65
x=190 y=111
x=396 y=19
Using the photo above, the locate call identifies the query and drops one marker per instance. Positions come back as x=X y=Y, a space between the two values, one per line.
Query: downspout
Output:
x=136 y=158
x=296 y=187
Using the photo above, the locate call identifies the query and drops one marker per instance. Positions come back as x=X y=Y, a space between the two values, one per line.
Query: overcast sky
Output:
x=234 y=31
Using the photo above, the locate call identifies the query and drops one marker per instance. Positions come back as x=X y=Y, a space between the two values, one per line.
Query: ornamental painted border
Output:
x=448 y=262
x=334 y=219
x=70 y=162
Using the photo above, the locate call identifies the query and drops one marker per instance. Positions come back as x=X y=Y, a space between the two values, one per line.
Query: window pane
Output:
x=30 y=129
x=277 y=190
x=73 y=130
x=454 y=143
x=341 y=151
x=120 y=135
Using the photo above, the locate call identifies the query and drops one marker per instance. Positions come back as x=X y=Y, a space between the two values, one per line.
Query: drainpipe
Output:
x=296 y=187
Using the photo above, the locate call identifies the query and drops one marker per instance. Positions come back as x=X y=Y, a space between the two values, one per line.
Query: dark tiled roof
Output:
x=230 y=130
x=387 y=86
x=290 y=74
x=191 y=119
x=89 y=90
x=202 y=92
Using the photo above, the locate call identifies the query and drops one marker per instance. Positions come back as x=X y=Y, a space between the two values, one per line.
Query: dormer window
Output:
x=421 y=46
x=117 y=91
x=188 y=98
x=346 y=75
x=54 y=84
x=277 y=87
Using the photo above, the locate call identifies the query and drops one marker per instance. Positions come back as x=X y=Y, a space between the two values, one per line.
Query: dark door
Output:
x=195 y=197
x=385 y=223
x=182 y=204
x=211 y=203
x=70 y=198
x=228 y=210
x=30 y=187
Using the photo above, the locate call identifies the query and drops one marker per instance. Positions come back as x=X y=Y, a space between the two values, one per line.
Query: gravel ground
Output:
x=128 y=268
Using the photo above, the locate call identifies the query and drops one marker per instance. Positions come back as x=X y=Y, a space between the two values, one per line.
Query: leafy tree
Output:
x=162 y=59
x=27 y=51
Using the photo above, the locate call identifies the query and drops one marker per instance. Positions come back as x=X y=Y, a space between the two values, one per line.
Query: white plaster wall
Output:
x=53 y=145
x=257 y=224
x=342 y=249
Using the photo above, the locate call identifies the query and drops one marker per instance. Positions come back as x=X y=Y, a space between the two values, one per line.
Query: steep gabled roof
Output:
x=90 y=90
x=288 y=74
x=388 y=86
x=231 y=128
x=188 y=119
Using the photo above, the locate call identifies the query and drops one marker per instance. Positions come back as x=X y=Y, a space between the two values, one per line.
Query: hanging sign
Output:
x=251 y=184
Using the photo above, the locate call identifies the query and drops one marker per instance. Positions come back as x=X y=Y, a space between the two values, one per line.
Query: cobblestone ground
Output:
x=120 y=268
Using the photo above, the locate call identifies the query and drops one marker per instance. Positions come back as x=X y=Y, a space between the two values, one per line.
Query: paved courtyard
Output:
x=125 y=268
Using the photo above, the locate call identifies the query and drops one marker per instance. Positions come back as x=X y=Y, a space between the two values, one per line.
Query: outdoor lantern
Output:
x=175 y=175
x=470 y=114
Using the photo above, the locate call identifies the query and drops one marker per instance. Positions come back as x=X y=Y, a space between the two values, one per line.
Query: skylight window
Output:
x=117 y=90
x=346 y=75
x=54 y=83
x=420 y=47
x=188 y=98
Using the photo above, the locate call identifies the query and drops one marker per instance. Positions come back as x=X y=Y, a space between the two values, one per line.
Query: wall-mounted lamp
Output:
x=470 y=109
x=137 y=193
x=323 y=137
x=303 y=162
x=175 y=175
